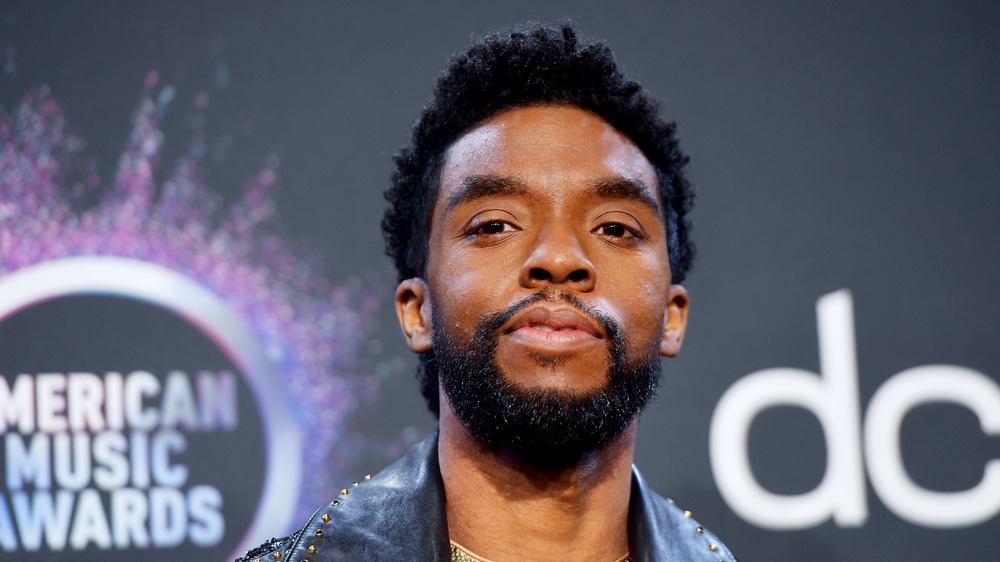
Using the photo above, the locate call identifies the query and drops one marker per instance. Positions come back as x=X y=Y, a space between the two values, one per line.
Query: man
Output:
x=538 y=224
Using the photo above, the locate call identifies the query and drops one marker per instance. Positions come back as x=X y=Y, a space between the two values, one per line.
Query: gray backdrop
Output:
x=834 y=145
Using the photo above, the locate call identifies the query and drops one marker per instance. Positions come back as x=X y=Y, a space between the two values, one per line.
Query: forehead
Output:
x=547 y=146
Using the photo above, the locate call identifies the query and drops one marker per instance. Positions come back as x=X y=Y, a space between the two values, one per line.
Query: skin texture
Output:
x=544 y=198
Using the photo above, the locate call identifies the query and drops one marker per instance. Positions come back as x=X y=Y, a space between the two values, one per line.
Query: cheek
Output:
x=466 y=288
x=640 y=299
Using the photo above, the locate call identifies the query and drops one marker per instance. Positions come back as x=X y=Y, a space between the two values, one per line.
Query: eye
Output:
x=493 y=227
x=616 y=230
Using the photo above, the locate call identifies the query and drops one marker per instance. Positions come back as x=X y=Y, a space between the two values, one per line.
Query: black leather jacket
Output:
x=399 y=515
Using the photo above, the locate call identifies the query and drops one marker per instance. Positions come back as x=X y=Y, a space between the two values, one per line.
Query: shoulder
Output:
x=269 y=549
x=668 y=532
x=398 y=514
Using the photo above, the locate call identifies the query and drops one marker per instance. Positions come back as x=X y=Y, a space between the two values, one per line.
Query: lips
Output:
x=547 y=328
x=555 y=323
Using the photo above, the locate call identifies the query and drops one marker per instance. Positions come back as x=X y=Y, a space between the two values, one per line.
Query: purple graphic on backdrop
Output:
x=52 y=207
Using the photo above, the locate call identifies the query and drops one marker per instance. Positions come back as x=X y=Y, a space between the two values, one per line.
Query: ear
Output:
x=413 y=308
x=674 y=321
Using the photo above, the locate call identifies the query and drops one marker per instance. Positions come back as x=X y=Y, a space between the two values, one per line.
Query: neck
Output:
x=502 y=509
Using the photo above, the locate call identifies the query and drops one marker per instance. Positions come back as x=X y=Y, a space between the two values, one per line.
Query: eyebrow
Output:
x=478 y=187
x=627 y=189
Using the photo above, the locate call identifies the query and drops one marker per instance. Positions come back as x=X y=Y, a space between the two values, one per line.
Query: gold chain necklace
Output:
x=461 y=554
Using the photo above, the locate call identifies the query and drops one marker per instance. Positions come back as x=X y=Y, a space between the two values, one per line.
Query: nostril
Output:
x=540 y=274
x=578 y=275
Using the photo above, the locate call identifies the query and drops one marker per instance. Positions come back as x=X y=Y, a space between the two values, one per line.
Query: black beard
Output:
x=544 y=428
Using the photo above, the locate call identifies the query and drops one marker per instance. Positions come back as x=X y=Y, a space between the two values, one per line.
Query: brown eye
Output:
x=494 y=227
x=615 y=230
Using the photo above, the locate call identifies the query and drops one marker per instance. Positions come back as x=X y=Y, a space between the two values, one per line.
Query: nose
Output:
x=557 y=258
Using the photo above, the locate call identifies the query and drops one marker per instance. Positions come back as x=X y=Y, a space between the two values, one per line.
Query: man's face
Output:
x=549 y=220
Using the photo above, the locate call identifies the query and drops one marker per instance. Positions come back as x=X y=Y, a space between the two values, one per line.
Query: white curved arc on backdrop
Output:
x=155 y=284
x=832 y=396
x=929 y=384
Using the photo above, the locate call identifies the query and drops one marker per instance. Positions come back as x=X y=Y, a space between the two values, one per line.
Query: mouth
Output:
x=547 y=328
x=556 y=323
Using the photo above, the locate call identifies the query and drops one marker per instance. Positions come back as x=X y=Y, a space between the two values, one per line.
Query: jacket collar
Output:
x=400 y=515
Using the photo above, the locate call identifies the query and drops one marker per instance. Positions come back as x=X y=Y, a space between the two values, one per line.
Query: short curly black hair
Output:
x=530 y=65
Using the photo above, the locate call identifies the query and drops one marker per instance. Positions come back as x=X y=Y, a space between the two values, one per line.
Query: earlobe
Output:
x=413 y=308
x=674 y=321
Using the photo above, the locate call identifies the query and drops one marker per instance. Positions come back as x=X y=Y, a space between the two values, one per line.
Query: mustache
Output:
x=491 y=324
